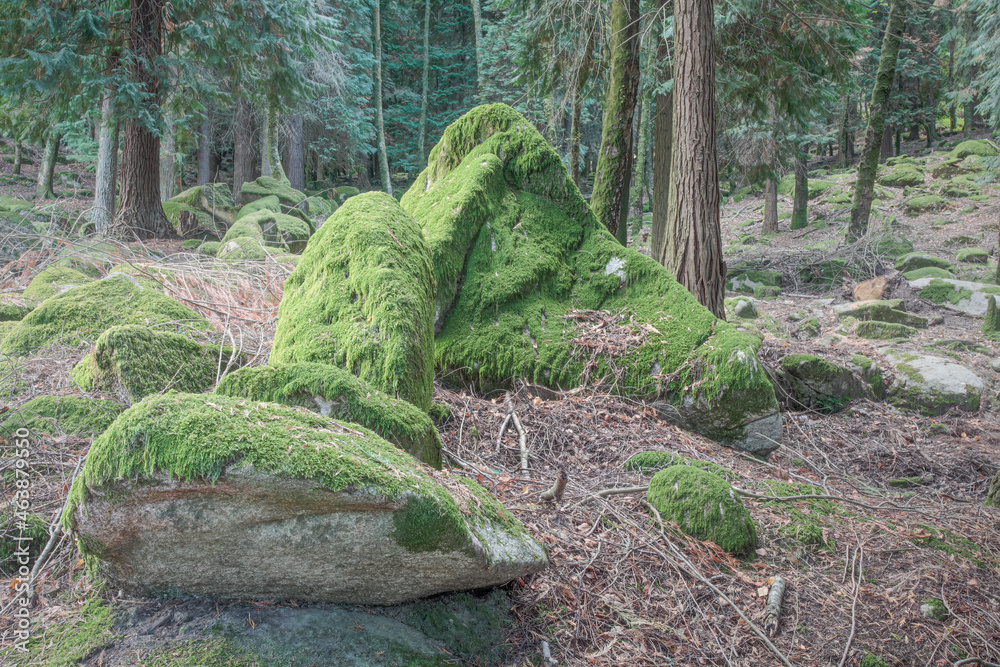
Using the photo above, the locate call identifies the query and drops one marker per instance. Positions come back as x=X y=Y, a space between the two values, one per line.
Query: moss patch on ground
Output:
x=70 y=643
x=874 y=330
x=362 y=298
x=806 y=518
x=70 y=415
x=336 y=393
x=921 y=203
x=977 y=147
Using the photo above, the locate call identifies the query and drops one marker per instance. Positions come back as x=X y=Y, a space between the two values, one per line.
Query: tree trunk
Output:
x=424 y=76
x=43 y=189
x=639 y=180
x=574 y=137
x=770 y=208
x=383 y=159
x=296 y=155
x=614 y=162
x=952 y=108
x=270 y=164
x=204 y=151
x=168 y=157
x=864 y=189
x=16 y=169
x=140 y=215
x=662 y=157
x=931 y=124
x=801 y=202
x=885 y=149
x=244 y=148
x=477 y=23
x=107 y=166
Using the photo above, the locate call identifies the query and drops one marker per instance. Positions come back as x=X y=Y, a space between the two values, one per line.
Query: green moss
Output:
x=30 y=535
x=977 y=147
x=320 y=208
x=973 y=255
x=922 y=203
x=920 y=260
x=209 y=652
x=199 y=437
x=871 y=373
x=902 y=175
x=345 y=192
x=335 y=393
x=809 y=327
x=54 y=280
x=14 y=310
x=746 y=280
x=954 y=544
x=704 y=506
x=362 y=298
x=276 y=229
x=133 y=362
x=72 y=641
x=266 y=186
x=871 y=660
x=875 y=330
x=210 y=248
x=651 y=461
x=940 y=291
x=84 y=313
x=518 y=255
x=900 y=159
x=439 y=412
x=72 y=415
x=842 y=198
x=928 y=272
x=807 y=518
x=993 y=495
x=270 y=203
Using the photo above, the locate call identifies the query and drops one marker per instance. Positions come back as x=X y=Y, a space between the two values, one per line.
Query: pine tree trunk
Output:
x=270 y=164
x=107 y=166
x=43 y=188
x=168 y=157
x=204 y=151
x=424 y=90
x=296 y=155
x=864 y=189
x=609 y=200
x=801 y=201
x=694 y=237
x=931 y=124
x=885 y=149
x=383 y=160
x=477 y=24
x=140 y=215
x=770 y=208
x=244 y=147
x=574 y=138
x=16 y=169
x=639 y=180
x=662 y=159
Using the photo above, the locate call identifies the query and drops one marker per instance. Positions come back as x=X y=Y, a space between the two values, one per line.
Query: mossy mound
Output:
x=888 y=310
x=875 y=330
x=961 y=186
x=820 y=384
x=902 y=175
x=922 y=203
x=270 y=203
x=13 y=309
x=132 y=362
x=900 y=159
x=928 y=272
x=31 y=537
x=265 y=186
x=84 y=313
x=321 y=208
x=368 y=522
x=704 y=506
x=523 y=267
x=345 y=192
x=932 y=385
x=977 y=147
x=742 y=308
x=920 y=260
x=209 y=248
x=827 y=272
x=973 y=255
x=651 y=461
x=70 y=415
x=748 y=280
x=54 y=280
x=276 y=229
x=211 y=205
x=362 y=298
x=334 y=392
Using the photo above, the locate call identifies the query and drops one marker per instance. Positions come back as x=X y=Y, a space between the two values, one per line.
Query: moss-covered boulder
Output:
x=931 y=385
x=336 y=393
x=973 y=256
x=14 y=308
x=922 y=203
x=263 y=232
x=742 y=308
x=704 y=506
x=362 y=298
x=901 y=159
x=276 y=502
x=84 y=313
x=960 y=295
x=58 y=415
x=652 y=461
x=960 y=186
x=270 y=203
x=977 y=147
x=525 y=272
x=888 y=310
x=265 y=186
x=921 y=260
x=749 y=280
x=902 y=175
x=928 y=272
x=210 y=210
x=132 y=362
x=321 y=208
x=819 y=384
x=54 y=280
x=875 y=330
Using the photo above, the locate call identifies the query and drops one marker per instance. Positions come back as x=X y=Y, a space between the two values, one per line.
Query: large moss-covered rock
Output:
x=262 y=232
x=13 y=308
x=70 y=415
x=932 y=385
x=751 y=281
x=704 y=506
x=362 y=298
x=336 y=393
x=211 y=207
x=887 y=310
x=54 y=280
x=819 y=384
x=961 y=295
x=921 y=260
x=973 y=256
x=921 y=203
x=265 y=186
x=276 y=502
x=525 y=272
x=271 y=203
x=83 y=313
x=132 y=362
x=977 y=147
x=902 y=175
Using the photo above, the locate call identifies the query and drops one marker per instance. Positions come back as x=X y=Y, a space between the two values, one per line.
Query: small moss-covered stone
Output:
x=818 y=383
x=991 y=321
x=875 y=330
x=902 y=175
x=345 y=192
x=928 y=272
x=209 y=248
x=651 y=461
x=921 y=260
x=828 y=272
x=934 y=609
x=334 y=392
x=362 y=298
x=900 y=159
x=747 y=280
x=54 y=280
x=809 y=328
x=70 y=415
x=888 y=310
x=742 y=308
x=132 y=362
x=977 y=147
x=973 y=255
x=84 y=313
x=704 y=506
x=921 y=203
x=276 y=229
x=266 y=186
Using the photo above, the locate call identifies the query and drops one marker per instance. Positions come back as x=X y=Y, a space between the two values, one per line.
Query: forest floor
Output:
x=622 y=589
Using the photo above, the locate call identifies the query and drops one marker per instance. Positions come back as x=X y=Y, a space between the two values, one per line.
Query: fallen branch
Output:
x=773 y=610
x=854 y=604
x=522 y=441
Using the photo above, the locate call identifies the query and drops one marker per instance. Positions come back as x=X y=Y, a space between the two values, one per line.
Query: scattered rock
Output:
x=960 y=295
x=932 y=385
x=920 y=260
x=973 y=255
x=749 y=281
x=817 y=383
x=921 y=203
x=901 y=175
x=871 y=289
x=891 y=310
x=743 y=308
x=874 y=330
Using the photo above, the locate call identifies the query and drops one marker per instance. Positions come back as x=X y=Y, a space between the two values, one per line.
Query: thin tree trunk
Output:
x=103 y=211
x=477 y=24
x=204 y=151
x=574 y=137
x=639 y=180
x=244 y=147
x=296 y=155
x=424 y=90
x=694 y=237
x=614 y=162
x=931 y=124
x=270 y=156
x=140 y=215
x=383 y=160
x=801 y=200
x=168 y=157
x=864 y=189
x=43 y=188
x=662 y=160
x=16 y=169
x=770 y=208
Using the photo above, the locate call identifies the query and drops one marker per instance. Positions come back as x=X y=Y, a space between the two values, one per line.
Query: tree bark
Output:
x=477 y=24
x=168 y=157
x=885 y=149
x=383 y=160
x=244 y=147
x=694 y=237
x=296 y=155
x=424 y=90
x=43 y=188
x=801 y=202
x=204 y=150
x=770 y=208
x=270 y=164
x=639 y=180
x=662 y=159
x=16 y=169
x=864 y=189
x=574 y=137
x=107 y=166
x=140 y=215
x=614 y=162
